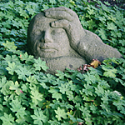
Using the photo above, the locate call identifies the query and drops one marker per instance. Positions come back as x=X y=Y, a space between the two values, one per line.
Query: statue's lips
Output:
x=47 y=48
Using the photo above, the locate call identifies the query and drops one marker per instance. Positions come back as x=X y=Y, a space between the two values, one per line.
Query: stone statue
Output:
x=57 y=36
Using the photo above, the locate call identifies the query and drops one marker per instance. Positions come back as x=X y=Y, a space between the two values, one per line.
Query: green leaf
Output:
x=3 y=71
x=23 y=13
x=39 y=64
x=45 y=7
x=104 y=84
x=60 y=74
x=102 y=18
x=21 y=113
x=36 y=95
x=15 y=23
x=90 y=78
x=89 y=98
x=32 y=79
x=52 y=1
x=120 y=105
x=10 y=46
x=74 y=120
x=73 y=87
x=5 y=88
x=102 y=33
x=85 y=112
x=23 y=72
x=55 y=93
x=60 y=113
x=93 y=108
x=88 y=121
x=12 y=58
x=7 y=119
x=109 y=71
x=107 y=3
x=91 y=11
x=54 y=122
x=105 y=100
x=3 y=82
x=89 y=90
x=122 y=42
x=16 y=105
x=122 y=49
x=25 y=87
x=91 y=24
x=21 y=121
x=17 y=108
x=28 y=58
x=11 y=68
x=39 y=117
x=104 y=7
x=111 y=26
x=15 y=87
x=64 y=88
x=44 y=85
x=48 y=78
x=70 y=95
x=99 y=90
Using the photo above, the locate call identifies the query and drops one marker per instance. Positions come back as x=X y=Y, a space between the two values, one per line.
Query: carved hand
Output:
x=68 y=20
x=86 y=43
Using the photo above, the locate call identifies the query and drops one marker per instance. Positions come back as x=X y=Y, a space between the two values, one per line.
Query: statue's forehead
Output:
x=43 y=22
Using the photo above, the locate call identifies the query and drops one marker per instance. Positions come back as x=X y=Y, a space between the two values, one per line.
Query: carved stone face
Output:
x=45 y=41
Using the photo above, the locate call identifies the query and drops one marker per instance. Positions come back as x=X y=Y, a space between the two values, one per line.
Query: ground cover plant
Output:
x=30 y=96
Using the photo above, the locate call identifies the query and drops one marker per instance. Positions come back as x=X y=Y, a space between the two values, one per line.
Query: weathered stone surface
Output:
x=57 y=36
x=61 y=63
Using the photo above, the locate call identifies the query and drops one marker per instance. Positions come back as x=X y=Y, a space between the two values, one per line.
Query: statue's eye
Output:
x=37 y=32
x=40 y=33
x=57 y=31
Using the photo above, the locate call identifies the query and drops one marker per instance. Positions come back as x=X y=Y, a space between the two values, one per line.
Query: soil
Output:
x=119 y=3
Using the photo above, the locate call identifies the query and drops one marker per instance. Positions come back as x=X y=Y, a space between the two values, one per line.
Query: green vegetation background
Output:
x=29 y=96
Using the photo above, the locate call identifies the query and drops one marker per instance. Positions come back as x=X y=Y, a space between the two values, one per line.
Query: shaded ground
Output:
x=119 y=3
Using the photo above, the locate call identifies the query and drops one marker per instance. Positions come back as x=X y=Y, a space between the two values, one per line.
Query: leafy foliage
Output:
x=31 y=96
x=28 y=95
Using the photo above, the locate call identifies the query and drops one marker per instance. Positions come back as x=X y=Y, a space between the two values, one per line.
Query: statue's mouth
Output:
x=47 y=49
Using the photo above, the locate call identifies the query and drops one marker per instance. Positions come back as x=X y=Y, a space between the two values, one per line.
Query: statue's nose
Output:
x=47 y=38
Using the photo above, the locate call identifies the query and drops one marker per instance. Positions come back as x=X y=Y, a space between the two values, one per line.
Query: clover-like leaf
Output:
x=111 y=26
x=10 y=46
x=109 y=71
x=36 y=95
x=3 y=81
x=23 y=72
x=7 y=119
x=11 y=67
x=39 y=64
x=12 y=58
x=55 y=93
x=15 y=87
x=17 y=108
x=60 y=113
x=52 y=1
x=39 y=117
